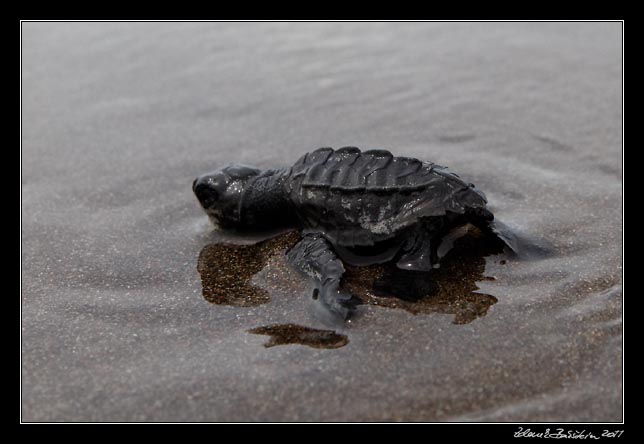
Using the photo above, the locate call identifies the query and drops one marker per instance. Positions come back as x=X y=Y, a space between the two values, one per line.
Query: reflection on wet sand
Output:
x=282 y=334
x=226 y=271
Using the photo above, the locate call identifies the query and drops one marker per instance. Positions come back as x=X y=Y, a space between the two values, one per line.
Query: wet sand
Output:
x=118 y=119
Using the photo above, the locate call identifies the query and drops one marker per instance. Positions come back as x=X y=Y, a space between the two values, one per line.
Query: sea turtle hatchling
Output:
x=360 y=207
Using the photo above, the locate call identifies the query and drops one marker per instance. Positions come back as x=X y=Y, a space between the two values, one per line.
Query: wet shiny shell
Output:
x=359 y=198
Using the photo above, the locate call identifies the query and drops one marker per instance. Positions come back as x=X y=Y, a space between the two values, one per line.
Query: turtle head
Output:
x=220 y=193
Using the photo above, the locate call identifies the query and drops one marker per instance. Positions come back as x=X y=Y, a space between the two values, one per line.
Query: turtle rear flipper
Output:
x=314 y=256
x=521 y=245
x=421 y=255
x=484 y=220
x=505 y=234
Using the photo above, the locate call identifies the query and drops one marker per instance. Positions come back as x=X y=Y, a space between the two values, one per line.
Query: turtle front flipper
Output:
x=314 y=256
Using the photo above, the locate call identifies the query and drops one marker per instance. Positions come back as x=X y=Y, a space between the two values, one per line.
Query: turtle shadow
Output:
x=451 y=289
x=229 y=275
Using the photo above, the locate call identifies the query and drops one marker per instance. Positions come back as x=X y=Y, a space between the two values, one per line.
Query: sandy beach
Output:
x=119 y=118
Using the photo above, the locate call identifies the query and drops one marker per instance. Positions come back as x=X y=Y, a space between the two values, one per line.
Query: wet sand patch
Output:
x=227 y=272
x=227 y=269
x=283 y=334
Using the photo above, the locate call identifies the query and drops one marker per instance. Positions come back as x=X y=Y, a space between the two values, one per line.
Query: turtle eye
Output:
x=240 y=171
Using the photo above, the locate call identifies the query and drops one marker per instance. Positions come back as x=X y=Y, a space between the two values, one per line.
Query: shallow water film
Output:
x=125 y=317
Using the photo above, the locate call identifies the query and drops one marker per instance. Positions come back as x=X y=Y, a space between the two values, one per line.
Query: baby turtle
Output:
x=360 y=207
